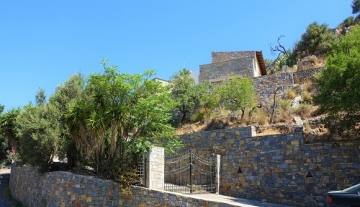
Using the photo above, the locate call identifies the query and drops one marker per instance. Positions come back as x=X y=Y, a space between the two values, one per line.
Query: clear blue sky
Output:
x=42 y=43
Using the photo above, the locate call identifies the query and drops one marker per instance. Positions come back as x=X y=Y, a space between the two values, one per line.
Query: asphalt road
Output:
x=4 y=180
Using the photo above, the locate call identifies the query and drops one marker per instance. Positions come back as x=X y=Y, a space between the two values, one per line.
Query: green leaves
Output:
x=238 y=94
x=339 y=83
x=355 y=6
x=316 y=40
x=118 y=115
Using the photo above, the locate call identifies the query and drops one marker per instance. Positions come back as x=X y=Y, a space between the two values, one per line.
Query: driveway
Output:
x=4 y=180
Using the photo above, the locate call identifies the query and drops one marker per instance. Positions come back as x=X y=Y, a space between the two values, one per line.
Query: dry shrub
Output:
x=292 y=69
x=284 y=104
x=260 y=117
x=307 y=85
x=306 y=97
x=313 y=59
x=282 y=116
x=290 y=93
x=307 y=126
x=304 y=110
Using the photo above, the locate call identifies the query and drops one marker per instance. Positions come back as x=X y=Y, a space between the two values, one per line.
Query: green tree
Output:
x=355 y=6
x=238 y=94
x=339 y=83
x=8 y=130
x=185 y=93
x=40 y=97
x=315 y=41
x=117 y=117
x=42 y=129
x=64 y=95
x=38 y=130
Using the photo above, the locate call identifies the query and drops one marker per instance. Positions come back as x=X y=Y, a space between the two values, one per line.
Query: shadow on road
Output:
x=4 y=181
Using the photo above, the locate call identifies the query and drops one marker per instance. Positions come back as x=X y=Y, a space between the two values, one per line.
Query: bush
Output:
x=307 y=85
x=290 y=93
x=313 y=59
x=260 y=117
x=199 y=115
x=306 y=97
x=304 y=110
x=284 y=104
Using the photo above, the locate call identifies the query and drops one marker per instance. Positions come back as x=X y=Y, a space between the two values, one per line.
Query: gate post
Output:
x=217 y=174
x=155 y=168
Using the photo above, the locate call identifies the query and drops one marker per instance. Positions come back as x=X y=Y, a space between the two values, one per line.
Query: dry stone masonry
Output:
x=278 y=167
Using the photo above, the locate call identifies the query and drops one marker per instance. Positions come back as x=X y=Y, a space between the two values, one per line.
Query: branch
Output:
x=278 y=48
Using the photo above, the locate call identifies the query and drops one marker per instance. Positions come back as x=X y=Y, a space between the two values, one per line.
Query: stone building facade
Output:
x=227 y=64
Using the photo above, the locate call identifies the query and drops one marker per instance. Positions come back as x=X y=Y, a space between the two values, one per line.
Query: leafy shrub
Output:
x=198 y=116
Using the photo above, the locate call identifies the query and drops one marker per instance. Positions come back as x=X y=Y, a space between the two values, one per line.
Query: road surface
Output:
x=4 y=180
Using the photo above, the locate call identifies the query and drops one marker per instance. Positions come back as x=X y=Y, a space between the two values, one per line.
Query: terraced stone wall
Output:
x=302 y=76
x=275 y=167
x=64 y=189
x=265 y=86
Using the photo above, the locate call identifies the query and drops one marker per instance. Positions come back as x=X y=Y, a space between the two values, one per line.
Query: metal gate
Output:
x=189 y=173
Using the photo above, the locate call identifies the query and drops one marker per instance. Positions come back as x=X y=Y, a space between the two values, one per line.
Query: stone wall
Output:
x=275 y=167
x=266 y=85
x=64 y=189
x=301 y=76
x=222 y=70
x=217 y=57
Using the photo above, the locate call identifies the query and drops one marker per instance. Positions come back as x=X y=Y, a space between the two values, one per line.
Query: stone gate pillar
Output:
x=155 y=168
x=217 y=173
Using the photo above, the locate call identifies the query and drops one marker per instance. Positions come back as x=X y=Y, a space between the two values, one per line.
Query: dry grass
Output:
x=290 y=94
x=306 y=97
x=260 y=117
x=307 y=86
x=282 y=116
x=304 y=111
x=284 y=104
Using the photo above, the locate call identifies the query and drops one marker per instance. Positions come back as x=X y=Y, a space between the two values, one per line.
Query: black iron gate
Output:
x=189 y=173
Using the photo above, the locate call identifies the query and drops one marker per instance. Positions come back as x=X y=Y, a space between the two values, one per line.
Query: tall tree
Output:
x=184 y=92
x=8 y=128
x=238 y=94
x=38 y=130
x=315 y=41
x=40 y=97
x=64 y=95
x=117 y=116
x=355 y=6
x=339 y=83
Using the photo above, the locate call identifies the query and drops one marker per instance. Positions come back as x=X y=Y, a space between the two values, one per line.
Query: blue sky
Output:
x=42 y=43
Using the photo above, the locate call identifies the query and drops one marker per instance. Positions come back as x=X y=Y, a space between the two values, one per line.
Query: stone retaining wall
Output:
x=265 y=86
x=302 y=76
x=217 y=57
x=64 y=189
x=275 y=167
x=223 y=70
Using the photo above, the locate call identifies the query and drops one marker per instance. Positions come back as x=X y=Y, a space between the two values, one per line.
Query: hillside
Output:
x=293 y=108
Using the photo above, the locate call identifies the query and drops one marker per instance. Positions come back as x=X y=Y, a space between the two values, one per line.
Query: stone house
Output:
x=227 y=64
